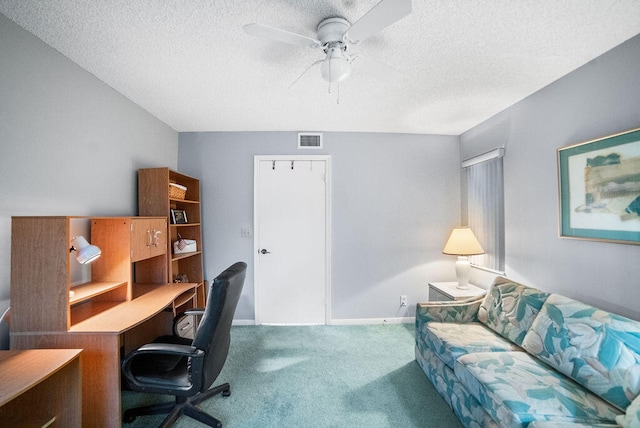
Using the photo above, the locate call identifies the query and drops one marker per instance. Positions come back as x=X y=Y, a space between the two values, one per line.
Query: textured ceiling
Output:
x=190 y=63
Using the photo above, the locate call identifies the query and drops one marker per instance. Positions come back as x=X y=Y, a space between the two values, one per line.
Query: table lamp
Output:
x=462 y=243
x=87 y=253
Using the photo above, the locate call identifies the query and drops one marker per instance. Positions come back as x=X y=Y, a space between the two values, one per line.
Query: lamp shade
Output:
x=462 y=242
x=86 y=252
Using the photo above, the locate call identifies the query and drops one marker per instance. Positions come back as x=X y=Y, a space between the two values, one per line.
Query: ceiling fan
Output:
x=336 y=34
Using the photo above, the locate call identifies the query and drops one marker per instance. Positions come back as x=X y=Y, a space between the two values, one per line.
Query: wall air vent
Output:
x=309 y=140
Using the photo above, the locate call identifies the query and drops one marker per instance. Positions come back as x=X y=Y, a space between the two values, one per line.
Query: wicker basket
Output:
x=176 y=191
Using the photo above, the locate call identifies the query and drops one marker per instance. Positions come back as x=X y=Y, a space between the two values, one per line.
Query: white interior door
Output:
x=291 y=240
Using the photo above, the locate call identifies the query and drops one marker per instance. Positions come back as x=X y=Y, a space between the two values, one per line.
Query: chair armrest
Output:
x=196 y=313
x=166 y=349
x=195 y=355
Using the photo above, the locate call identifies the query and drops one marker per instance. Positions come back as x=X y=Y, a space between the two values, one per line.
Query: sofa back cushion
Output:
x=509 y=308
x=597 y=349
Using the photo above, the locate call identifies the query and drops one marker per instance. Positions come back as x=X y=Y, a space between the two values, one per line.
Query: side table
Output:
x=446 y=291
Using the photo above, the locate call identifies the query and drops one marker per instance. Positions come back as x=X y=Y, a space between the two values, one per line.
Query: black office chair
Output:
x=183 y=368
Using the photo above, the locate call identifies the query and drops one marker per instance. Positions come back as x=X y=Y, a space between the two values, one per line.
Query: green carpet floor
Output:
x=319 y=376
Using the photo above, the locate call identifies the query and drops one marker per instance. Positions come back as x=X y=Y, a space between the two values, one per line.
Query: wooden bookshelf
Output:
x=154 y=200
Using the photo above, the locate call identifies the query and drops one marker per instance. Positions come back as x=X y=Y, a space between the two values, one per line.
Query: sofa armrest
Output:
x=450 y=311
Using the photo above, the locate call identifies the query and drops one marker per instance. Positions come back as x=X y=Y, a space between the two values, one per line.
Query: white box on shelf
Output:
x=190 y=246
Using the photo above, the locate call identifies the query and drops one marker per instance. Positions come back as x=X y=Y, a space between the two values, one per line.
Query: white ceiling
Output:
x=190 y=63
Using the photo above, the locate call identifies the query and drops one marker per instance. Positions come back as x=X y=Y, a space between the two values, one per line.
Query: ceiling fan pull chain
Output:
x=329 y=73
x=338 y=97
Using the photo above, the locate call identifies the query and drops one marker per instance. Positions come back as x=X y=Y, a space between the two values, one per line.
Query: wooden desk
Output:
x=40 y=388
x=119 y=327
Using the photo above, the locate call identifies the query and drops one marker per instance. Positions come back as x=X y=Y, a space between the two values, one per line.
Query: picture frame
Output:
x=599 y=189
x=178 y=216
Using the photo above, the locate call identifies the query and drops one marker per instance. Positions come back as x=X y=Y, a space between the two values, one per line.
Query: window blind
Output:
x=485 y=210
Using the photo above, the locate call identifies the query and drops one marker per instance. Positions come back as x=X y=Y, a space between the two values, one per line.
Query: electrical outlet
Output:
x=403 y=300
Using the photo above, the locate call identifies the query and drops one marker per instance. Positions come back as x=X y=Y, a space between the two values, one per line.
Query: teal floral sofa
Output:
x=521 y=357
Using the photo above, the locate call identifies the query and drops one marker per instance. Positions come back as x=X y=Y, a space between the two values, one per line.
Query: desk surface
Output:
x=118 y=317
x=22 y=370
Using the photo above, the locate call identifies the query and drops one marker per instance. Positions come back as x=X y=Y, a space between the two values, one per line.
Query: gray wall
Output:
x=599 y=99
x=395 y=198
x=69 y=144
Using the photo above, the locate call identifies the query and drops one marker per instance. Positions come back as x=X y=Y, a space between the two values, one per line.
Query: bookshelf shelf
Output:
x=83 y=292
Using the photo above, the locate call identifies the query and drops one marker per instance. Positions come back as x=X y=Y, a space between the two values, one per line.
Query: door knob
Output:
x=264 y=251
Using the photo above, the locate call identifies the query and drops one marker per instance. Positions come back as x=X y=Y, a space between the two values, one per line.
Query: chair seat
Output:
x=174 y=366
x=162 y=370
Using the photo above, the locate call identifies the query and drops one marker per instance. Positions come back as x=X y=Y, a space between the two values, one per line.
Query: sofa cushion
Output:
x=451 y=340
x=509 y=308
x=516 y=389
x=597 y=349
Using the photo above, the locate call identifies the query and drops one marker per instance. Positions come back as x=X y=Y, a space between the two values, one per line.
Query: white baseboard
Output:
x=364 y=321
x=360 y=321
x=244 y=322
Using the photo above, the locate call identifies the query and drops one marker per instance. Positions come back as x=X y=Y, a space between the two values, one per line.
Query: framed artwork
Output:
x=600 y=189
x=178 y=216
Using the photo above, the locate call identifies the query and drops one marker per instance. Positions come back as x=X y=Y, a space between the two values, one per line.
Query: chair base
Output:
x=182 y=406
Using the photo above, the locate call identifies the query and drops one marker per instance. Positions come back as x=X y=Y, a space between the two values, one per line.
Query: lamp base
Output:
x=462 y=272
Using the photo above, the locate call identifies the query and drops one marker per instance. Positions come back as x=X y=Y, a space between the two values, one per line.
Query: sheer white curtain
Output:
x=485 y=209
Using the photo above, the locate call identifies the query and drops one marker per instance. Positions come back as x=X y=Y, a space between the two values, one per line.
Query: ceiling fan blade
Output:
x=304 y=72
x=279 y=35
x=373 y=68
x=382 y=15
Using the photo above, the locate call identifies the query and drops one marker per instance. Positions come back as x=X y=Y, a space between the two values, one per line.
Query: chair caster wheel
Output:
x=226 y=393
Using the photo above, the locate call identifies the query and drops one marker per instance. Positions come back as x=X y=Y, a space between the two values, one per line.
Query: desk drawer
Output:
x=185 y=327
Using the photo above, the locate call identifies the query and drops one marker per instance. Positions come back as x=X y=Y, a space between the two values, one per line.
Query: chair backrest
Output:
x=214 y=331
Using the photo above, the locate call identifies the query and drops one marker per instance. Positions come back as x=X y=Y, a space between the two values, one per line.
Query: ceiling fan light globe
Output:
x=335 y=69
